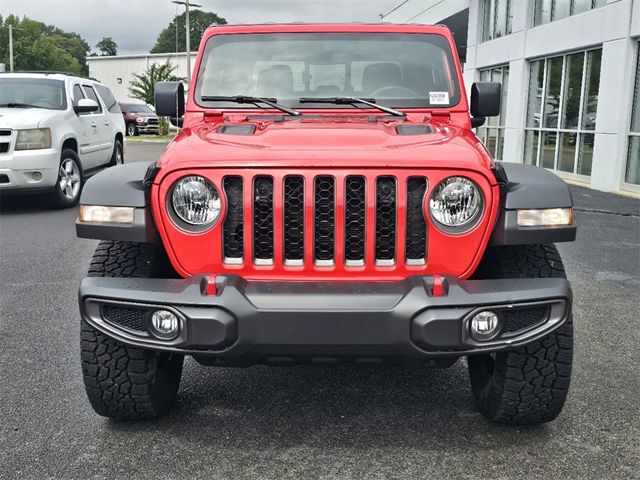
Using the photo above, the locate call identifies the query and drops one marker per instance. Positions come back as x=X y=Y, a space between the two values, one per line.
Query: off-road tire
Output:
x=126 y=383
x=528 y=385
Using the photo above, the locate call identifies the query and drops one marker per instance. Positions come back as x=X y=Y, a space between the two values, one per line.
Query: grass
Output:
x=151 y=138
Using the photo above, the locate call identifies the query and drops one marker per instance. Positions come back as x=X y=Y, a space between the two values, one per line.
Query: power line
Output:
x=425 y=10
x=382 y=15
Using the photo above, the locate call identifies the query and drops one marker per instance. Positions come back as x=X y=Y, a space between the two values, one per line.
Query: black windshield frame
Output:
x=419 y=102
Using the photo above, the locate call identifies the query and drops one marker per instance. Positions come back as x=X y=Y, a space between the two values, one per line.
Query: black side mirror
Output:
x=169 y=100
x=485 y=101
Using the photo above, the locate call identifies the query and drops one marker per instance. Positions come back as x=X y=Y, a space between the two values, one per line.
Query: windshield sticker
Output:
x=439 y=98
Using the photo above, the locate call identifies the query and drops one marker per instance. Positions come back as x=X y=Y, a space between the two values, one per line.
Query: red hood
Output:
x=326 y=143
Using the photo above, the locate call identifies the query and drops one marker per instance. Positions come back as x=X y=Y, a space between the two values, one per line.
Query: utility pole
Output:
x=10 y=48
x=187 y=5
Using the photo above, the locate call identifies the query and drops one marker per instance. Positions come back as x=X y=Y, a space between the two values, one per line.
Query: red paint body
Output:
x=339 y=145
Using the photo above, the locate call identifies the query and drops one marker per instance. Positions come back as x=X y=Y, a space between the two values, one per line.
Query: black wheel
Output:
x=126 y=383
x=528 y=385
x=68 y=186
x=117 y=157
x=132 y=130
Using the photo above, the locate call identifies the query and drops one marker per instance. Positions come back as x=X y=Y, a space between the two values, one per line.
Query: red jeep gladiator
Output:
x=327 y=202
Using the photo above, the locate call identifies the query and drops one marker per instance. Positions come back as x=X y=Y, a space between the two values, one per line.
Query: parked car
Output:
x=331 y=205
x=139 y=118
x=55 y=131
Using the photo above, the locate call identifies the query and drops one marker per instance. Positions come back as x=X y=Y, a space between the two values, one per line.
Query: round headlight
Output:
x=196 y=201
x=456 y=202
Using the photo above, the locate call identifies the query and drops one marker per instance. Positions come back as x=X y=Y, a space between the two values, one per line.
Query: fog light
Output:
x=37 y=176
x=164 y=324
x=485 y=325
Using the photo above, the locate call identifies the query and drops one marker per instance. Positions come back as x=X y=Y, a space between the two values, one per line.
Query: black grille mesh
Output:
x=234 y=221
x=416 y=232
x=263 y=218
x=385 y=218
x=354 y=221
x=294 y=218
x=324 y=229
x=125 y=317
x=519 y=319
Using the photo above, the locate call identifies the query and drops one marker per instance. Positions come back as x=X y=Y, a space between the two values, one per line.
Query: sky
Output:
x=135 y=24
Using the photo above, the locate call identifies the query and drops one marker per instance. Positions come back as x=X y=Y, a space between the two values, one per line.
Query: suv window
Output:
x=91 y=93
x=77 y=94
x=109 y=99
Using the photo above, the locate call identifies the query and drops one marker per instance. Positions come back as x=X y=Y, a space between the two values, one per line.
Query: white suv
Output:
x=56 y=130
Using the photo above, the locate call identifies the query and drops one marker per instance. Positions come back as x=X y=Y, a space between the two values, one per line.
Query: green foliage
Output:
x=198 y=20
x=164 y=127
x=141 y=87
x=107 y=47
x=37 y=46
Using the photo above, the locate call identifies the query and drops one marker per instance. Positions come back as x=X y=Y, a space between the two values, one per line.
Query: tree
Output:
x=198 y=22
x=37 y=46
x=141 y=87
x=107 y=46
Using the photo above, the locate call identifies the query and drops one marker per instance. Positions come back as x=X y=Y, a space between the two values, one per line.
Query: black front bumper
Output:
x=281 y=322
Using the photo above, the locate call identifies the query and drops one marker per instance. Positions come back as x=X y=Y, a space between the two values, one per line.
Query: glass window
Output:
x=92 y=95
x=559 y=133
x=77 y=94
x=550 y=10
x=632 y=172
x=496 y=19
x=32 y=92
x=492 y=132
x=109 y=99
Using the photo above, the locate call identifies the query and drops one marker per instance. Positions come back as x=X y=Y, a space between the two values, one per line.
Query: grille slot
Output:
x=233 y=226
x=4 y=178
x=4 y=147
x=263 y=220
x=385 y=220
x=354 y=221
x=125 y=317
x=324 y=225
x=416 y=232
x=520 y=319
x=294 y=220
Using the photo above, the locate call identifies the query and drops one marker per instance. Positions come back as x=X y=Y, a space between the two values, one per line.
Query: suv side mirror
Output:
x=485 y=101
x=169 y=101
x=86 y=105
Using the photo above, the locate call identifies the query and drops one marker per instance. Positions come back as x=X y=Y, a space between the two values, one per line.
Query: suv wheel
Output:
x=528 y=385
x=132 y=130
x=127 y=383
x=69 y=184
x=117 y=157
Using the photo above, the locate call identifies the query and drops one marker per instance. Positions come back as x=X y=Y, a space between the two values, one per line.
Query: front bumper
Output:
x=283 y=322
x=30 y=170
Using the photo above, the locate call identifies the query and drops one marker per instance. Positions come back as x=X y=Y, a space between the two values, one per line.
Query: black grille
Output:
x=4 y=178
x=324 y=229
x=152 y=121
x=5 y=133
x=263 y=219
x=518 y=319
x=385 y=219
x=416 y=234
x=234 y=221
x=294 y=218
x=125 y=317
x=354 y=221
x=4 y=147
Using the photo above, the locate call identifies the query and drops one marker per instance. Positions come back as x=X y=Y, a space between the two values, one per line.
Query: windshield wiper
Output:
x=19 y=105
x=352 y=101
x=272 y=102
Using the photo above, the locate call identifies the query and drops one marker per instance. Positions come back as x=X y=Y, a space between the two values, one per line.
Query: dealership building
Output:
x=570 y=76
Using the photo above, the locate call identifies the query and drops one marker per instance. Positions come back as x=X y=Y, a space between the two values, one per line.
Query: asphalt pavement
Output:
x=312 y=422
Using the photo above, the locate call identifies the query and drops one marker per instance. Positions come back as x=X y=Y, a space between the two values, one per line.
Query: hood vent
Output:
x=414 y=129
x=244 y=129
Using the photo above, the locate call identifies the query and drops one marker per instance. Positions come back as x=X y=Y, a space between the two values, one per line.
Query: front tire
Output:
x=68 y=186
x=528 y=385
x=122 y=382
x=132 y=130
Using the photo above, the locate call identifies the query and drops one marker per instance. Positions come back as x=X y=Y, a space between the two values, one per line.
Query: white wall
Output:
x=110 y=69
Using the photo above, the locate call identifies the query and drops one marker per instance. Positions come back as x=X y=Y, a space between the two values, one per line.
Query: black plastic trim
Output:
x=533 y=187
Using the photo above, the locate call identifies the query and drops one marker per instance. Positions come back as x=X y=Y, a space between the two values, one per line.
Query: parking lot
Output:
x=311 y=422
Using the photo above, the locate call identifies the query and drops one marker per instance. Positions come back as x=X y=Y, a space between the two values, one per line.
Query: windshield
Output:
x=396 y=70
x=32 y=93
x=138 y=108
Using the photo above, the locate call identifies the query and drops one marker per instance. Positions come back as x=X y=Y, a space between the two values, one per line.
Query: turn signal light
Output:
x=100 y=214
x=550 y=217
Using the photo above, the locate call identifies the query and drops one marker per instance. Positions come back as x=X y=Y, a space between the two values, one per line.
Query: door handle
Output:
x=107 y=124
x=93 y=124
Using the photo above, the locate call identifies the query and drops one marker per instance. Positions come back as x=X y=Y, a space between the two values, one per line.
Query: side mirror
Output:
x=86 y=105
x=169 y=99
x=485 y=100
